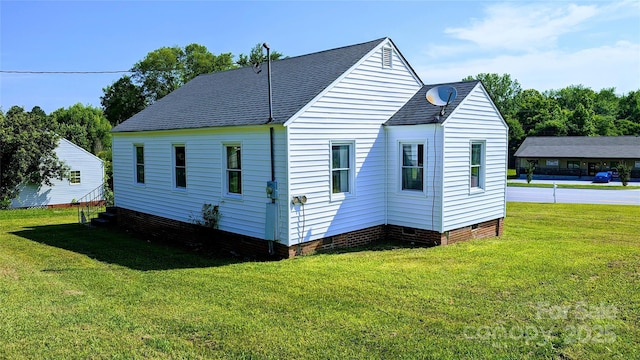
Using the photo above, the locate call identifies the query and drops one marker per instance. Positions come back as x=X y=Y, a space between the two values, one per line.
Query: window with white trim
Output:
x=477 y=165
x=180 y=166
x=74 y=177
x=412 y=166
x=234 y=169
x=341 y=167
x=139 y=149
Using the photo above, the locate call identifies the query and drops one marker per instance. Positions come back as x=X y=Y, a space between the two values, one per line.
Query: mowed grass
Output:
x=562 y=283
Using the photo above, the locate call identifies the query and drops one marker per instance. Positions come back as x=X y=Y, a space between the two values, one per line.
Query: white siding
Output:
x=353 y=109
x=205 y=168
x=62 y=191
x=421 y=210
x=474 y=119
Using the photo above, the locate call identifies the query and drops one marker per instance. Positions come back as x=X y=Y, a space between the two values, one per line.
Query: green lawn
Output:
x=562 y=283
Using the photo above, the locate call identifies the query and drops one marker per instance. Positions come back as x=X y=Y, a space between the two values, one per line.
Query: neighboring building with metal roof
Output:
x=578 y=156
x=352 y=153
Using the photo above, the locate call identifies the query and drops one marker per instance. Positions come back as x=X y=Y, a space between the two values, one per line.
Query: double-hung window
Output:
x=341 y=167
x=180 y=166
x=477 y=166
x=74 y=177
x=234 y=169
x=412 y=166
x=139 y=164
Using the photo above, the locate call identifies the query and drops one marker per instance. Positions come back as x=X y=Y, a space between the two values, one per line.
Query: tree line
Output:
x=28 y=138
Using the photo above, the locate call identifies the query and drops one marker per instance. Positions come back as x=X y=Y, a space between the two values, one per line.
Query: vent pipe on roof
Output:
x=266 y=46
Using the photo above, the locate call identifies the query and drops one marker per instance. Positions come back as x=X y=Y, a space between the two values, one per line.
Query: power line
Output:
x=64 y=72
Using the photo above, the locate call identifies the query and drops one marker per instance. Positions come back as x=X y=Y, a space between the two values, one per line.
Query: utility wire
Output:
x=64 y=72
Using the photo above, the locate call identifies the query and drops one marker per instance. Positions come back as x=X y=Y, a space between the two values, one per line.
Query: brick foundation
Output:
x=346 y=240
x=486 y=229
x=151 y=227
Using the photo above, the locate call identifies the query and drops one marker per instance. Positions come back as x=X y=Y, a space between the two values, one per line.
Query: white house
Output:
x=353 y=148
x=86 y=173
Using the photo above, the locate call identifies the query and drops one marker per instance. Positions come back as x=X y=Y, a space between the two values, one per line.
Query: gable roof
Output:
x=419 y=111
x=78 y=149
x=611 y=147
x=240 y=96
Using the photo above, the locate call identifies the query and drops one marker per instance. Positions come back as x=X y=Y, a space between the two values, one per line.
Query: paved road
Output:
x=574 y=196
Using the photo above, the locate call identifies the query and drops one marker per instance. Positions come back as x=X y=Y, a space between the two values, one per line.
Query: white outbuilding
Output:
x=86 y=173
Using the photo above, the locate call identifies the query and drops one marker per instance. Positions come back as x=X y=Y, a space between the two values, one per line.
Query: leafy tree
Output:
x=85 y=126
x=503 y=90
x=160 y=72
x=606 y=103
x=581 y=121
x=257 y=56
x=27 y=145
x=535 y=108
x=627 y=127
x=571 y=96
x=553 y=127
x=198 y=60
x=166 y=69
x=605 y=125
x=629 y=107
x=122 y=100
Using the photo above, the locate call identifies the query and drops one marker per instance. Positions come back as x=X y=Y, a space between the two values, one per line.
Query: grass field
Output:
x=562 y=283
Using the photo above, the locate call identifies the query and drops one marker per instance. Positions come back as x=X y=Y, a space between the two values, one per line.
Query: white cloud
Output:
x=544 y=46
x=524 y=27
x=616 y=66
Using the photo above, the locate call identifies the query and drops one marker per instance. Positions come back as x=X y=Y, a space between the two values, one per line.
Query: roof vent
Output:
x=387 y=57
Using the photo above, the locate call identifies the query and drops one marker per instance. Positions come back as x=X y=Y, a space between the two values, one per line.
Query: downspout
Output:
x=273 y=171
x=271 y=147
x=386 y=177
x=273 y=167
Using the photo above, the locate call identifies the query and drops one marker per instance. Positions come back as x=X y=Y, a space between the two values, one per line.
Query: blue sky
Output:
x=543 y=45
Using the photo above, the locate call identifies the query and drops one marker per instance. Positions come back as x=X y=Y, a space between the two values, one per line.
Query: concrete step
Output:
x=97 y=222
x=108 y=216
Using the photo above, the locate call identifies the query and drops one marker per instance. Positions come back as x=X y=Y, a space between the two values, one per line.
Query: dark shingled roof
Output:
x=419 y=111
x=610 y=147
x=240 y=97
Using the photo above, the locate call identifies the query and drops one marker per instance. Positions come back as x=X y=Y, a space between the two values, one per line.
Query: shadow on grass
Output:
x=116 y=247
x=382 y=245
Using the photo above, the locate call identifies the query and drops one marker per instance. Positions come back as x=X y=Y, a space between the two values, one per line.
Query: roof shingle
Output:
x=610 y=147
x=419 y=111
x=240 y=97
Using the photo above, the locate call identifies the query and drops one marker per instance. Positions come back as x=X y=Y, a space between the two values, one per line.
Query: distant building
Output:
x=86 y=174
x=578 y=156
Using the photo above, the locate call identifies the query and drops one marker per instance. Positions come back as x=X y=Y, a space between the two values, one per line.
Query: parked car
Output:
x=603 y=177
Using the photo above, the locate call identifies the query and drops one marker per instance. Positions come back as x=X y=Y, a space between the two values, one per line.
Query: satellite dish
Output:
x=441 y=95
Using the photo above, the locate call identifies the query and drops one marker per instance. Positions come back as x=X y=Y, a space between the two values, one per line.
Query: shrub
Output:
x=210 y=216
x=529 y=170
x=624 y=173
